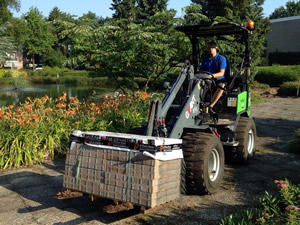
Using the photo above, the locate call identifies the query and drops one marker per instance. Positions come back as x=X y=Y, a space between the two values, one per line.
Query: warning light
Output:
x=250 y=25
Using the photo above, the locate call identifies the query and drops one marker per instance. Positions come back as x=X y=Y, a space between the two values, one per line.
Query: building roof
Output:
x=285 y=19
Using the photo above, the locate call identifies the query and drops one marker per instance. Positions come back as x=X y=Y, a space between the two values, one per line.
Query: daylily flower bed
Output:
x=39 y=128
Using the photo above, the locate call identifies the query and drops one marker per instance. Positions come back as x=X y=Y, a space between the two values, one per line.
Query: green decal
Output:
x=249 y=103
x=241 y=102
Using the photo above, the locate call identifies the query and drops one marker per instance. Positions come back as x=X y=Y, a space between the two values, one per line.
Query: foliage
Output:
x=239 y=12
x=49 y=71
x=55 y=58
x=5 y=7
x=291 y=8
x=291 y=88
x=11 y=73
x=124 y=9
x=192 y=15
x=38 y=129
x=6 y=43
x=75 y=40
x=39 y=39
x=277 y=75
x=18 y=31
x=56 y=14
x=284 y=208
x=55 y=71
x=148 y=8
x=128 y=50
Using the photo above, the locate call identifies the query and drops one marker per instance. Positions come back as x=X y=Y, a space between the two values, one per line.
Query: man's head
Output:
x=212 y=48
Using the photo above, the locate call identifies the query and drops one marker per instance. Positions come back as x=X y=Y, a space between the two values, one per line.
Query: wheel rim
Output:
x=250 y=142
x=213 y=165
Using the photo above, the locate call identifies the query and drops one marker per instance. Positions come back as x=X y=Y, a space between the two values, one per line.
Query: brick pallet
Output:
x=124 y=175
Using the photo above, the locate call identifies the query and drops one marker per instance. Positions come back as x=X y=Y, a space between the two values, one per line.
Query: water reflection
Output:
x=13 y=95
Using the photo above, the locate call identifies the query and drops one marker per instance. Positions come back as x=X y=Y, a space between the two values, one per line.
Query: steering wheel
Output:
x=204 y=75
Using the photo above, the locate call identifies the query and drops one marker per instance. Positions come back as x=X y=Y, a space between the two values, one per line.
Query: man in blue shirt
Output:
x=216 y=65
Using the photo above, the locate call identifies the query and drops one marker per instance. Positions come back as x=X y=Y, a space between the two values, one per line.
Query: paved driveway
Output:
x=27 y=195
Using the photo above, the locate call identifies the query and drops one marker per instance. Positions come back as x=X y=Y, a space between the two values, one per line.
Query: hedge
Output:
x=290 y=88
x=277 y=75
x=11 y=73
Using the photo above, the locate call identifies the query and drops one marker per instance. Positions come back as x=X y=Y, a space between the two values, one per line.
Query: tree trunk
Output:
x=33 y=62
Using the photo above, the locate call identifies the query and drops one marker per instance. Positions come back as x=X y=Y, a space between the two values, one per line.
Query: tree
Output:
x=91 y=19
x=6 y=43
x=55 y=58
x=124 y=9
x=56 y=14
x=5 y=6
x=126 y=51
x=18 y=31
x=148 y=8
x=292 y=8
x=238 y=11
x=39 y=39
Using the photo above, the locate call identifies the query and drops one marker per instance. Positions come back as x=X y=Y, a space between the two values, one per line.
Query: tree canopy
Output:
x=6 y=43
x=39 y=39
x=5 y=7
x=148 y=8
x=291 y=8
x=138 y=41
x=239 y=11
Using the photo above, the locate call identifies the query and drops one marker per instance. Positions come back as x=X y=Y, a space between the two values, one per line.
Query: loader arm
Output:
x=159 y=109
x=187 y=115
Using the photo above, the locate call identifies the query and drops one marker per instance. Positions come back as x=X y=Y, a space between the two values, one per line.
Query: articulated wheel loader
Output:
x=205 y=139
x=183 y=113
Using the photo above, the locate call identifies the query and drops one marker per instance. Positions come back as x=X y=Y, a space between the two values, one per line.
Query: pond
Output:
x=10 y=95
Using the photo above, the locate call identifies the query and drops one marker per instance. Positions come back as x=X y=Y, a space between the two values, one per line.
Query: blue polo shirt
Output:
x=213 y=65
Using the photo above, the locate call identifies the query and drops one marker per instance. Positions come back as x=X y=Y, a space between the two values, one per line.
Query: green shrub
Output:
x=95 y=74
x=42 y=80
x=49 y=71
x=289 y=88
x=284 y=208
x=277 y=75
x=11 y=73
x=63 y=72
x=78 y=73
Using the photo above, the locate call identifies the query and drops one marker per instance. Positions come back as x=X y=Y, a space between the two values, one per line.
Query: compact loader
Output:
x=183 y=113
x=180 y=128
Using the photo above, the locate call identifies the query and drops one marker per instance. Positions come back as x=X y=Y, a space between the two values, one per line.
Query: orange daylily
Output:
x=48 y=109
x=35 y=117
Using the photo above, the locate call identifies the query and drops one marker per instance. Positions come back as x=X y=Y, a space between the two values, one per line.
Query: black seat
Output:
x=228 y=72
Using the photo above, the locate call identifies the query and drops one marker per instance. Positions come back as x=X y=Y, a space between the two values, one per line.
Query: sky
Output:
x=101 y=7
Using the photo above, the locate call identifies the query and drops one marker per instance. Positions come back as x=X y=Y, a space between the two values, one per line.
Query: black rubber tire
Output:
x=197 y=148
x=246 y=136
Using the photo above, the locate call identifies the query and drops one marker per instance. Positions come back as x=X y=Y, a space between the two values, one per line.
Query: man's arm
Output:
x=219 y=74
x=222 y=66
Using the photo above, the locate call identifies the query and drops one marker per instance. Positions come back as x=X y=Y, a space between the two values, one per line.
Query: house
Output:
x=283 y=41
x=15 y=60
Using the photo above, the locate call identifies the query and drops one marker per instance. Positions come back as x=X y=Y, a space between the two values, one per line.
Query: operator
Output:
x=216 y=65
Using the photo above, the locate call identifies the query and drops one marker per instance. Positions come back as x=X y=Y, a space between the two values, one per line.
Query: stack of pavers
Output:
x=143 y=170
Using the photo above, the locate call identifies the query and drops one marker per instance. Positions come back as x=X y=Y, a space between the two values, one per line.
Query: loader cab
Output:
x=236 y=97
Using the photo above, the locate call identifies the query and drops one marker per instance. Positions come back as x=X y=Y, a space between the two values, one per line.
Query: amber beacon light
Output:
x=250 y=25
